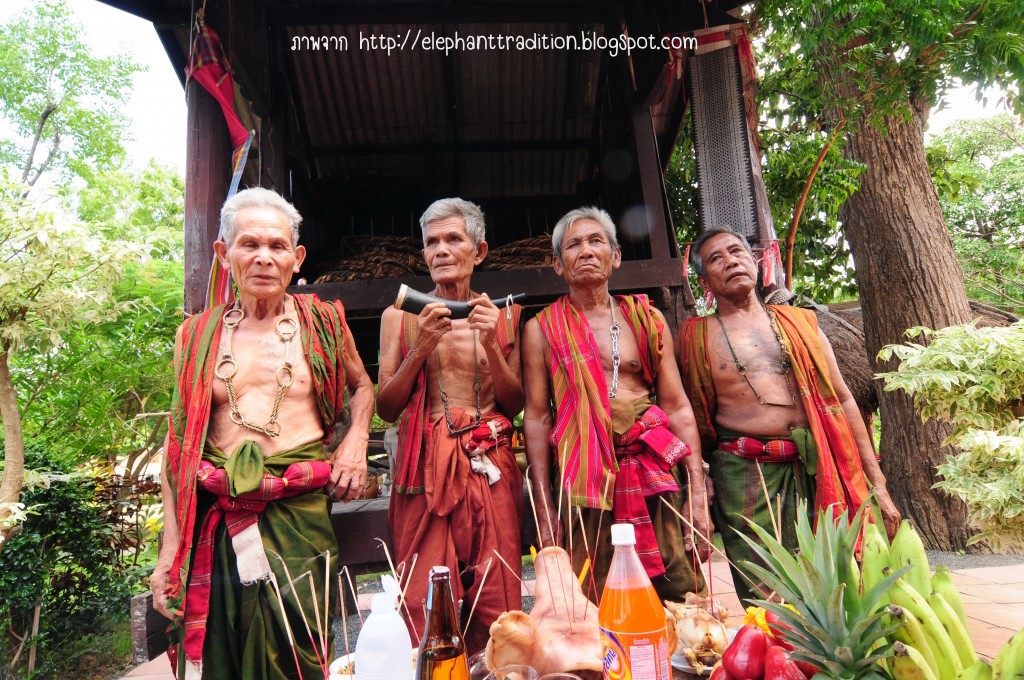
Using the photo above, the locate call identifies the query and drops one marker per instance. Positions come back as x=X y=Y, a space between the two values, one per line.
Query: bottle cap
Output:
x=383 y=603
x=623 y=534
x=439 y=571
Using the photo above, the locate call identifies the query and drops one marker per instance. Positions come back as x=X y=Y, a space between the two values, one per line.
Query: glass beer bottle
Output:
x=442 y=650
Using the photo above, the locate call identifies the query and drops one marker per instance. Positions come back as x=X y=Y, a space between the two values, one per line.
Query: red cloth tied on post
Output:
x=646 y=454
x=770 y=451
x=241 y=515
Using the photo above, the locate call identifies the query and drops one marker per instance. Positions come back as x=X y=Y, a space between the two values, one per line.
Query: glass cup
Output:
x=514 y=672
x=560 y=676
x=478 y=666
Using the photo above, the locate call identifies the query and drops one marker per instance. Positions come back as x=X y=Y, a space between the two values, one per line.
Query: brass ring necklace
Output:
x=227 y=367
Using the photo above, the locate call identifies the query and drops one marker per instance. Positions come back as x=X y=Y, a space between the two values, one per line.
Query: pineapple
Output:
x=834 y=626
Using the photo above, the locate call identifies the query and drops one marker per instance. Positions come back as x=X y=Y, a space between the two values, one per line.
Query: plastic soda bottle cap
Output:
x=623 y=534
x=383 y=602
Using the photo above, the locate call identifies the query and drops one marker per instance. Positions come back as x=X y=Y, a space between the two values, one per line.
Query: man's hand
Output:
x=433 y=322
x=698 y=500
x=483 y=318
x=890 y=515
x=158 y=584
x=348 y=470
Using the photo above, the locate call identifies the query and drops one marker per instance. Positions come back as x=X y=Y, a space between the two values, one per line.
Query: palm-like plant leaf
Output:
x=831 y=623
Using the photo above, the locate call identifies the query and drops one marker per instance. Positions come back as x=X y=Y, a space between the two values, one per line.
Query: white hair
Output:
x=470 y=212
x=257 y=197
x=592 y=213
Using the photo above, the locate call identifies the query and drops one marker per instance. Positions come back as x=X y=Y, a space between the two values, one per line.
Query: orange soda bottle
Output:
x=634 y=642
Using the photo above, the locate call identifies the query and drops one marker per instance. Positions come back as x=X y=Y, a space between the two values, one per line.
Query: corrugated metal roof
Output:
x=498 y=123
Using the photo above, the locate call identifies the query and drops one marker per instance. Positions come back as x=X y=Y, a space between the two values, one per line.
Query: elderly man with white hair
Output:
x=455 y=383
x=257 y=447
x=606 y=408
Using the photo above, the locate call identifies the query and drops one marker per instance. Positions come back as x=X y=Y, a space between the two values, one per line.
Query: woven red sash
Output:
x=770 y=451
x=646 y=454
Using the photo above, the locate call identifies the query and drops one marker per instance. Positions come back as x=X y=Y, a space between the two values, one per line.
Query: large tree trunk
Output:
x=14 y=444
x=908 y=276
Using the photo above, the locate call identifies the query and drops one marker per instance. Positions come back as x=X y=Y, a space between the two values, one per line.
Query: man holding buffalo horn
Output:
x=778 y=422
x=623 y=435
x=256 y=450
x=455 y=383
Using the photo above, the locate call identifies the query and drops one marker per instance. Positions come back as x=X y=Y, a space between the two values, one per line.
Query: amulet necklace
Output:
x=287 y=326
x=783 y=368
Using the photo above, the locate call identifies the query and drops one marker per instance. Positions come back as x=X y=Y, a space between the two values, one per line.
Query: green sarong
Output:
x=246 y=636
x=739 y=494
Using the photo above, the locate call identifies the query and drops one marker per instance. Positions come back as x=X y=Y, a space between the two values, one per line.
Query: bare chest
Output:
x=263 y=364
x=752 y=350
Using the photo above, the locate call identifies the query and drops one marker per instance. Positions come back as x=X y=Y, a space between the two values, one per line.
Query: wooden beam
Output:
x=651 y=181
x=454 y=146
x=208 y=160
x=448 y=13
x=368 y=298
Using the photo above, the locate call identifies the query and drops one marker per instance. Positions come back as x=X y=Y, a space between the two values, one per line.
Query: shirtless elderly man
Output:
x=255 y=452
x=770 y=403
x=622 y=435
x=458 y=493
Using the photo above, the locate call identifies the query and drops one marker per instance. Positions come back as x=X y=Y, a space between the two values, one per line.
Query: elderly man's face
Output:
x=449 y=250
x=261 y=256
x=588 y=256
x=728 y=267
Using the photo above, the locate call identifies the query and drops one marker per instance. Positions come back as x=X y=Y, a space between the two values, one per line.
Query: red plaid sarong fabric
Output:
x=646 y=454
x=238 y=513
x=762 y=450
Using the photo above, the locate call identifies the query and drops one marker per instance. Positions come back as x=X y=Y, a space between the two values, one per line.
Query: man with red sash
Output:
x=255 y=452
x=458 y=493
x=622 y=436
x=781 y=429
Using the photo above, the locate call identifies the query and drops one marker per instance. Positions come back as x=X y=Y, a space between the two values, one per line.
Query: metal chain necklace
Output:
x=227 y=367
x=613 y=330
x=783 y=368
x=452 y=430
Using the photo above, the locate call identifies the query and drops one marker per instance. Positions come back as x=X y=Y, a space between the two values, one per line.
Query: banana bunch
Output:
x=1009 y=663
x=932 y=642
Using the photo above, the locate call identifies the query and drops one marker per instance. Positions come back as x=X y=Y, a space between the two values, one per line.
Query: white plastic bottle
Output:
x=383 y=649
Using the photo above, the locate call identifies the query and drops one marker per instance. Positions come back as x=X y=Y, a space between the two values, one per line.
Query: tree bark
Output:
x=908 y=276
x=14 y=443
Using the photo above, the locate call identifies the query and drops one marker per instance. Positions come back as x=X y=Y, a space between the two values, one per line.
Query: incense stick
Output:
x=327 y=595
x=513 y=572
x=768 y=500
x=287 y=626
x=476 y=599
x=302 y=610
x=344 y=614
x=355 y=595
x=600 y=519
x=713 y=546
x=404 y=603
x=316 y=612
x=586 y=547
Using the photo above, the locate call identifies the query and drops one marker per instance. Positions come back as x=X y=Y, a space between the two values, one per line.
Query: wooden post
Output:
x=649 y=167
x=207 y=172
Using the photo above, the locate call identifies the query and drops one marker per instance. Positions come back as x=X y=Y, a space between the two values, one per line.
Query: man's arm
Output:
x=672 y=400
x=396 y=376
x=348 y=461
x=505 y=375
x=172 y=535
x=536 y=428
x=865 y=447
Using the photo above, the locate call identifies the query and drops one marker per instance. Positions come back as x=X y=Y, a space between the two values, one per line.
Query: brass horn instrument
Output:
x=413 y=301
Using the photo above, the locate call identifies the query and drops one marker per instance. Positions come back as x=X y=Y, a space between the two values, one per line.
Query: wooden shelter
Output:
x=362 y=122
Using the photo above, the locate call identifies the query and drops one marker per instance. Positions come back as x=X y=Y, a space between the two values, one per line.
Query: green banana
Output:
x=911 y=633
x=875 y=557
x=979 y=670
x=942 y=583
x=957 y=632
x=908 y=664
x=907 y=548
x=1009 y=663
x=946 y=656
